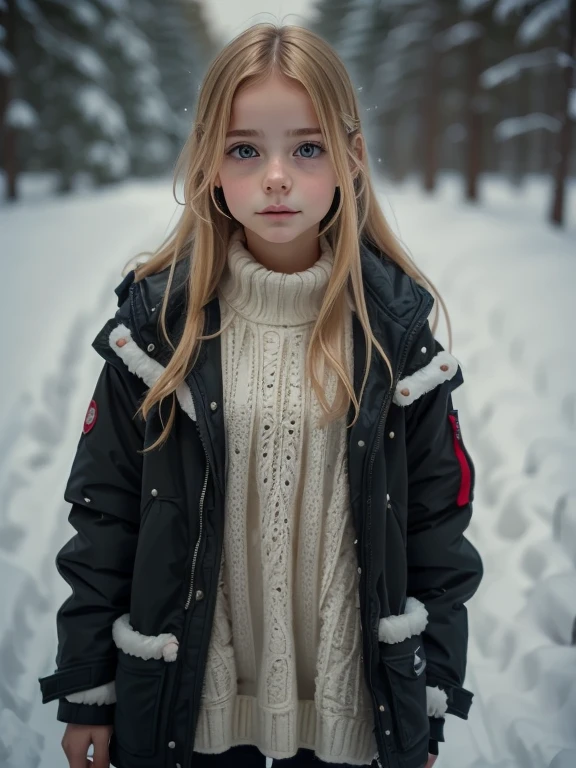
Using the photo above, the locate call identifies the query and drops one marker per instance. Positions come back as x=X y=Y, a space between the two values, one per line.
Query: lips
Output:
x=278 y=209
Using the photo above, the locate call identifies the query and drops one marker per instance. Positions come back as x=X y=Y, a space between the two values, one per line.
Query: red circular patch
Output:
x=91 y=416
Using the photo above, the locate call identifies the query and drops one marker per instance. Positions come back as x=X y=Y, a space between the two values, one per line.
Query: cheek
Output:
x=321 y=191
x=319 y=185
x=237 y=191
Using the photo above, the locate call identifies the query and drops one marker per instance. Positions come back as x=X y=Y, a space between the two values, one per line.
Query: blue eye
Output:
x=314 y=145
x=240 y=146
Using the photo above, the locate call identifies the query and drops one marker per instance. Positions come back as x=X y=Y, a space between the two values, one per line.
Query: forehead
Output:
x=276 y=103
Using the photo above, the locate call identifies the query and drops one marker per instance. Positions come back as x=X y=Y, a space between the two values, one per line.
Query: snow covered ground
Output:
x=509 y=282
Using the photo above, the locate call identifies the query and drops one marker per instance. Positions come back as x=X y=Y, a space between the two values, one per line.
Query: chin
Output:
x=279 y=234
x=281 y=237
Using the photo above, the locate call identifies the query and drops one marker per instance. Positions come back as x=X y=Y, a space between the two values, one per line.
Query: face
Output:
x=267 y=163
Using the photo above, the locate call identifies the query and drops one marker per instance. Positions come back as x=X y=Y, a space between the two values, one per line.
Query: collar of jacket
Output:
x=396 y=305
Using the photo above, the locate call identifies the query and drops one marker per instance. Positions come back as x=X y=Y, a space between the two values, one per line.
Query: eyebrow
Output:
x=249 y=132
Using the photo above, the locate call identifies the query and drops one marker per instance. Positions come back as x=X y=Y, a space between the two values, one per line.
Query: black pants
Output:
x=250 y=757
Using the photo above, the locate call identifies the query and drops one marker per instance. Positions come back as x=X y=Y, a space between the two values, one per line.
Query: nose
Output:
x=276 y=178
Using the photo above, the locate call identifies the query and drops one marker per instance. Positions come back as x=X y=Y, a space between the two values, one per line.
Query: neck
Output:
x=271 y=297
x=297 y=255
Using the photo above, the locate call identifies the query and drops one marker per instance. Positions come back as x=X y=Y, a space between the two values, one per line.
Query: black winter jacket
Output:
x=144 y=562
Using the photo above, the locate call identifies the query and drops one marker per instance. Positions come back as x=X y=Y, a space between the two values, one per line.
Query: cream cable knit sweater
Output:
x=284 y=668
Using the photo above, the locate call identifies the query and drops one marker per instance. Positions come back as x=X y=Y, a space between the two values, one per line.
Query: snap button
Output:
x=381 y=707
x=154 y=310
x=171 y=744
x=151 y=347
x=361 y=443
x=213 y=406
x=359 y=570
x=355 y=541
x=154 y=492
x=87 y=500
x=387 y=497
x=199 y=594
x=386 y=732
x=423 y=350
x=391 y=435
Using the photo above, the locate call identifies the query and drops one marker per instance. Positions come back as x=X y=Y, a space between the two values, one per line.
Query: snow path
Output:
x=508 y=280
x=77 y=248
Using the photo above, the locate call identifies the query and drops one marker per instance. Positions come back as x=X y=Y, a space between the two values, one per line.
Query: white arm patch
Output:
x=146 y=647
x=145 y=367
x=442 y=367
x=395 y=629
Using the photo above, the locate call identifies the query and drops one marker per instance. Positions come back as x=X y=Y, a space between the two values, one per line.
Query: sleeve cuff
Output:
x=433 y=747
x=85 y=714
x=78 y=678
x=436 y=729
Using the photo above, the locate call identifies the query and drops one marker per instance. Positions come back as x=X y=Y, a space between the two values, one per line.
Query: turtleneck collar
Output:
x=273 y=298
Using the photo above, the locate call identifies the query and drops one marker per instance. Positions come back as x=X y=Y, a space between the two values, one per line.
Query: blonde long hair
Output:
x=203 y=230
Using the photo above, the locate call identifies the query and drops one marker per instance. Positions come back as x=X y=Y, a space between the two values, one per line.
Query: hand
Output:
x=78 y=738
x=431 y=760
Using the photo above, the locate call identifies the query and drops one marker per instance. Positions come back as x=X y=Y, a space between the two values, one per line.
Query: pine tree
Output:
x=8 y=69
x=112 y=84
x=65 y=79
x=331 y=19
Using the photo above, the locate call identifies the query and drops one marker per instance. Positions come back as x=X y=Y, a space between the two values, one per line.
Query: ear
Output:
x=358 y=149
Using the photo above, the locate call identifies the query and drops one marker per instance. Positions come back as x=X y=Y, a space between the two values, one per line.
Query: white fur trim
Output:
x=394 y=629
x=426 y=378
x=103 y=694
x=145 y=367
x=144 y=646
x=436 y=701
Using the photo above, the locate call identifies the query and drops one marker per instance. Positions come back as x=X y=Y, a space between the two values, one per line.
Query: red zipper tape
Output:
x=466 y=476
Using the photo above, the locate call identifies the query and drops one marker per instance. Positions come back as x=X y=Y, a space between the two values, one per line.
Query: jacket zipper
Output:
x=197 y=547
x=201 y=507
x=383 y=412
x=184 y=637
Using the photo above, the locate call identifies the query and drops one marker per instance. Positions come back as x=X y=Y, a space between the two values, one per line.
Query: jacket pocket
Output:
x=139 y=685
x=404 y=667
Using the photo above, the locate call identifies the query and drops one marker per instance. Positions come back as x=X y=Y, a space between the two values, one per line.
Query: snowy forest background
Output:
x=469 y=108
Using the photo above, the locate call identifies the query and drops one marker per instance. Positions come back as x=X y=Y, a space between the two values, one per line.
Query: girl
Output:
x=269 y=558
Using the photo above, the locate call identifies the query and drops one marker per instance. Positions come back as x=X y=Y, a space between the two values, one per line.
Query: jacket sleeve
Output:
x=444 y=568
x=104 y=490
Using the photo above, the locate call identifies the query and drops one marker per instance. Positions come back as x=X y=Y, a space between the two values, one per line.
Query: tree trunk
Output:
x=549 y=107
x=473 y=118
x=520 y=145
x=392 y=148
x=430 y=118
x=7 y=133
x=562 y=155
